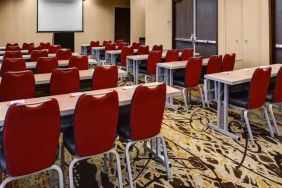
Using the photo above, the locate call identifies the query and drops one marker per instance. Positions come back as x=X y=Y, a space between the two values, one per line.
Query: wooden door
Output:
x=277 y=8
x=122 y=24
x=234 y=30
x=251 y=33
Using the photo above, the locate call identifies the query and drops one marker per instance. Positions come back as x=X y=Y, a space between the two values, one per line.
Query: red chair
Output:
x=143 y=121
x=109 y=47
x=187 y=54
x=275 y=97
x=12 y=54
x=154 y=58
x=106 y=42
x=126 y=51
x=12 y=64
x=214 y=64
x=121 y=45
x=13 y=48
x=105 y=77
x=228 y=62
x=64 y=81
x=192 y=79
x=36 y=54
x=80 y=62
x=64 y=54
x=17 y=85
x=143 y=50
x=32 y=48
x=120 y=41
x=92 y=45
x=31 y=138
x=11 y=44
x=45 y=45
x=26 y=46
x=54 y=48
x=135 y=45
x=46 y=65
x=157 y=48
x=172 y=55
x=254 y=98
x=94 y=130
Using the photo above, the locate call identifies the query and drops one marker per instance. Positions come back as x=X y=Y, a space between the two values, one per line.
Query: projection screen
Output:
x=59 y=15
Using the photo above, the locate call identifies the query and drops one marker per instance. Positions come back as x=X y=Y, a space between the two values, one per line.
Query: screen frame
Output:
x=70 y=31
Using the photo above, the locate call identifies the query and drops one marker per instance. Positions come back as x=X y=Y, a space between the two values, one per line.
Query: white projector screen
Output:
x=59 y=15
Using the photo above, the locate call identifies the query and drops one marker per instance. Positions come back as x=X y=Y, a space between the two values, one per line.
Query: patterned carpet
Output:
x=199 y=156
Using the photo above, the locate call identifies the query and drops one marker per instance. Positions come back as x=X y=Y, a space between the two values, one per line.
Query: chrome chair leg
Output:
x=118 y=168
x=202 y=97
x=249 y=127
x=185 y=98
x=268 y=121
x=165 y=158
x=270 y=107
x=130 y=180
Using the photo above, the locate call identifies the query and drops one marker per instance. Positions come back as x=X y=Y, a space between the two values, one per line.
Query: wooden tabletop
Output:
x=145 y=57
x=98 y=48
x=116 y=52
x=179 y=64
x=84 y=75
x=67 y=102
x=28 y=56
x=62 y=63
x=239 y=76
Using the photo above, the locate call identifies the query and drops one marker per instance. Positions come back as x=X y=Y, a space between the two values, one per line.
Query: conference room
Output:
x=140 y=93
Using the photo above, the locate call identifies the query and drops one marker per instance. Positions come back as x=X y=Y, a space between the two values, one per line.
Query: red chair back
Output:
x=11 y=44
x=187 y=54
x=95 y=121
x=214 y=64
x=277 y=95
x=143 y=50
x=64 y=81
x=193 y=72
x=12 y=54
x=153 y=58
x=31 y=137
x=121 y=45
x=172 y=55
x=135 y=45
x=26 y=46
x=17 y=85
x=80 y=62
x=45 y=45
x=157 y=48
x=259 y=87
x=126 y=51
x=228 y=62
x=64 y=54
x=13 y=64
x=120 y=41
x=105 y=77
x=13 y=48
x=46 y=65
x=36 y=54
x=54 y=48
x=94 y=44
x=147 y=110
x=110 y=46
x=106 y=42
x=32 y=48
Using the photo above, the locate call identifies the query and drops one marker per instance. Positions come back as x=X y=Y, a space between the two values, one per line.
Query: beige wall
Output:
x=158 y=19
x=137 y=22
x=18 y=21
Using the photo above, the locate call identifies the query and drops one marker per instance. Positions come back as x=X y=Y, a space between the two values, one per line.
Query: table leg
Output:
x=137 y=72
x=98 y=57
x=222 y=112
x=113 y=59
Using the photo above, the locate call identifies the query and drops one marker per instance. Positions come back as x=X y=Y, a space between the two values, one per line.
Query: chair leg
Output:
x=128 y=164
x=270 y=107
x=268 y=121
x=62 y=157
x=185 y=98
x=6 y=181
x=166 y=158
x=249 y=127
x=118 y=168
x=61 y=176
x=146 y=78
x=202 y=97
x=71 y=172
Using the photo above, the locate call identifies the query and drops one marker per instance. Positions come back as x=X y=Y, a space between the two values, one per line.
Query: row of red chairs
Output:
x=94 y=131
x=21 y=85
x=61 y=54
x=28 y=46
x=43 y=65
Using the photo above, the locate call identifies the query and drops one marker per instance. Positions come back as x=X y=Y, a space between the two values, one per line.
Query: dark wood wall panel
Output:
x=184 y=18
x=278 y=30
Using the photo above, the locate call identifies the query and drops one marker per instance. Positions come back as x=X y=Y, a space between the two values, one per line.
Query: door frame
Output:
x=129 y=23
x=174 y=28
x=272 y=34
